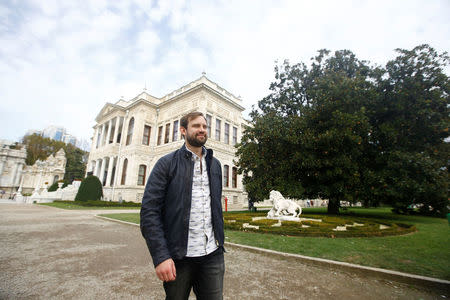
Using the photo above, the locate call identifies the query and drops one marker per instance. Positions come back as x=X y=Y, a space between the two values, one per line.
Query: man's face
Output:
x=196 y=134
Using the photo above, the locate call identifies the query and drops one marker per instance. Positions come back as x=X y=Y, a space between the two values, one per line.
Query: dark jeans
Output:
x=204 y=274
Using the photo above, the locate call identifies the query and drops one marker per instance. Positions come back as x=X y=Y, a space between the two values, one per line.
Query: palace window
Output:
x=113 y=129
x=234 y=136
x=226 y=173
x=208 y=123
x=141 y=174
x=166 y=137
x=119 y=133
x=146 y=136
x=175 y=131
x=227 y=133
x=130 y=131
x=218 y=125
x=124 y=172
x=160 y=129
x=234 y=178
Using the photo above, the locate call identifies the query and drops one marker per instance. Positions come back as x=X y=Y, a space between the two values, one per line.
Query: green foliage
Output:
x=39 y=147
x=345 y=131
x=324 y=228
x=53 y=187
x=90 y=189
x=76 y=163
x=100 y=203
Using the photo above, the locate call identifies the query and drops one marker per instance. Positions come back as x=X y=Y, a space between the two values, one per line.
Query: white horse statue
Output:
x=282 y=206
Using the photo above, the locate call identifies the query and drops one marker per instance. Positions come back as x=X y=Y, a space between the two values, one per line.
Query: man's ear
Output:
x=183 y=131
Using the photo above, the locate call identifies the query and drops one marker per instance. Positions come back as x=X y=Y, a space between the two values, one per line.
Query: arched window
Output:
x=141 y=174
x=226 y=174
x=234 y=178
x=130 y=131
x=124 y=172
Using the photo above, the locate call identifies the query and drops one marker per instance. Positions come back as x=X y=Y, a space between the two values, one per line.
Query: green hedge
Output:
x=90 y=189
x=371 y=227
x=100 y=203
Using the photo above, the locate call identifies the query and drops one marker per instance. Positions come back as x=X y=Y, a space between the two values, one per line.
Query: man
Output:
x=181 y=216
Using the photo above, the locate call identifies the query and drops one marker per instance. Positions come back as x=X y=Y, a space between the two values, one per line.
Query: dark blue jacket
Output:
x=166 y=204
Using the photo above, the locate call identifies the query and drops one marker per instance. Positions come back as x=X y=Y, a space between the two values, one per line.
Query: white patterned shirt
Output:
x=201 y=239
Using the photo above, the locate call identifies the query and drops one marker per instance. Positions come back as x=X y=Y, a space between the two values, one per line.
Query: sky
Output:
x=62 y=61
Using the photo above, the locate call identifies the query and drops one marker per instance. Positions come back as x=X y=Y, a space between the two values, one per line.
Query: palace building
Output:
x=130 y=136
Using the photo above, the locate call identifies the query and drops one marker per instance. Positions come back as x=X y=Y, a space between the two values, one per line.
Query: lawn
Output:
x=79 y=205
x=424 y=252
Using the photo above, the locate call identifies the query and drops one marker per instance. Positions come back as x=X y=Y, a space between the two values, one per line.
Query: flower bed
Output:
x=325 y=226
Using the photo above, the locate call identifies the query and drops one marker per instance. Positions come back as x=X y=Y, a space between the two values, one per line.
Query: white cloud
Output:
x=60 y=62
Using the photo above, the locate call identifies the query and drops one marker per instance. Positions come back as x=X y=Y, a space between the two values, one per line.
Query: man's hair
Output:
x=187 y=118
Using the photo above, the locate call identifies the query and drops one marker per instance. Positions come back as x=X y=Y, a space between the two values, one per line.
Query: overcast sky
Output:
x=61 y=61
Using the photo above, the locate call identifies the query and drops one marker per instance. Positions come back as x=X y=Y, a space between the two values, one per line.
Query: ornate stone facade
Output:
x=44 y=173
x=130 y=136
x=14 y=173
x=12 y=161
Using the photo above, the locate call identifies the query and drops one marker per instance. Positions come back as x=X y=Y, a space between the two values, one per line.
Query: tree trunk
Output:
x=333 y=206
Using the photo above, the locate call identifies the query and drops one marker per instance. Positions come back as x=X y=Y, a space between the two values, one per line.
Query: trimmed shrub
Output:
x=99 y=203
x=53 y=187
x=90 y=189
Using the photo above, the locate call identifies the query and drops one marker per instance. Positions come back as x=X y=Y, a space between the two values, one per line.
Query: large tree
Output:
x=410 y=120
x=344 y=130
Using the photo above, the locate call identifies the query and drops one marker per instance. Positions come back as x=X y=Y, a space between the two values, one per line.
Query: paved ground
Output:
x=48 y=253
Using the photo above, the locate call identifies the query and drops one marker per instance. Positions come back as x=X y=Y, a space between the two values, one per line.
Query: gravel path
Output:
x=49 y=253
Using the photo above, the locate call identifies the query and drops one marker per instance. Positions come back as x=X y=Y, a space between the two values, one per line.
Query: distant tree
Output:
x=90 y=189
x=41 y=148
x=76 y=163
x=410 y=121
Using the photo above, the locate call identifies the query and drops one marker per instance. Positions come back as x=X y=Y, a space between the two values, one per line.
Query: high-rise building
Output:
x=69 y=139
x=54 y=132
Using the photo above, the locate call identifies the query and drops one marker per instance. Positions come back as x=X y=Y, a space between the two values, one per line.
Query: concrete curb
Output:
x=115 y=220
x=412 y=279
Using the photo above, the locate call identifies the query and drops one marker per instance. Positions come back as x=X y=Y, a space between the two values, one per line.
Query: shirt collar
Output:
x=204 y=152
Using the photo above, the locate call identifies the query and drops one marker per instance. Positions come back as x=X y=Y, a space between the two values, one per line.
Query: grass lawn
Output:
x=65 y=205
x=425 y=252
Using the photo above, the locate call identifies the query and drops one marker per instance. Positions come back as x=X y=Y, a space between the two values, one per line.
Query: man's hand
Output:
x=166 y=270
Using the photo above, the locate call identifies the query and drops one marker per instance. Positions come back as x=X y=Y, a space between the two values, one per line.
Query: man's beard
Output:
x=194 y=141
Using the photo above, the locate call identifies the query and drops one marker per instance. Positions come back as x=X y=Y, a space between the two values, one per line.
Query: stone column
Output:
x=38 y=184
x=116 y=129
x=95 y=173
x=13 y=178
x=116 y=174
x=102 y=135
x=109 y=131
x=2 y=164
x=102 y=170
x=94 y=140
x=18 y=175
x=110 y=166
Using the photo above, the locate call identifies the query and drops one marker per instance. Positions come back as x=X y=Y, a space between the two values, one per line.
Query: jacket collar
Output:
x=188 y=154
